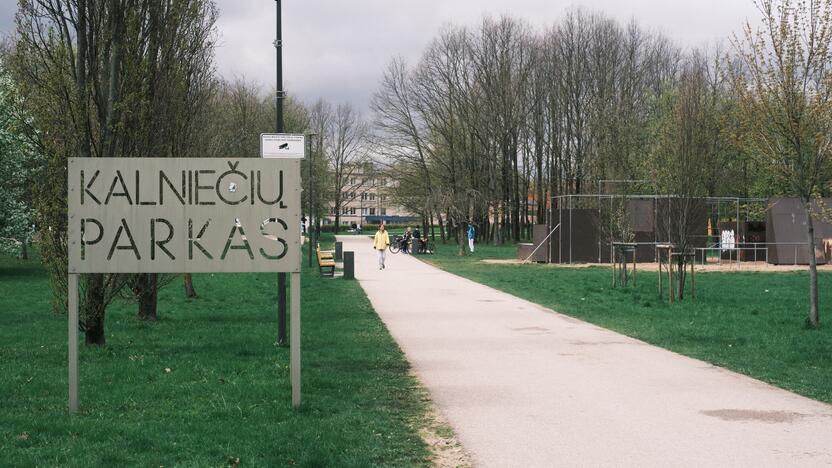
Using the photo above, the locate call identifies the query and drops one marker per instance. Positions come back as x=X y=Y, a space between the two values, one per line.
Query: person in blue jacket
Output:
x=472 y=233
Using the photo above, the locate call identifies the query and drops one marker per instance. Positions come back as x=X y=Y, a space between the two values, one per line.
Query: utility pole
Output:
x=281 y=277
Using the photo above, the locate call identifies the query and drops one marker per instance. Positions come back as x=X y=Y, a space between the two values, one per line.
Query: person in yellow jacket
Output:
x=380 y=242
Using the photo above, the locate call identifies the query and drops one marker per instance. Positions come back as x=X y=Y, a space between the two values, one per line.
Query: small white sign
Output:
x=282 y=145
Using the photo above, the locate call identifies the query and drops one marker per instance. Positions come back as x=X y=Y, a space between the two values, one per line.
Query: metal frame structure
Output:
x=595 y=201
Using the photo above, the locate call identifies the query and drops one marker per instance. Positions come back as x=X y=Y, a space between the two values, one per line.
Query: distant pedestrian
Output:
x=472 y=233
x=380 y=243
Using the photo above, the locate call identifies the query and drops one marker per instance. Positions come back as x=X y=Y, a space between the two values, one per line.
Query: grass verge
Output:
x=226 y=398
x=752 y=323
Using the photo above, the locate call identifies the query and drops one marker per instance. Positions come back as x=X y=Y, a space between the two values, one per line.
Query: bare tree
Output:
x=683 y=132
x=346 y=150
x=400 y=138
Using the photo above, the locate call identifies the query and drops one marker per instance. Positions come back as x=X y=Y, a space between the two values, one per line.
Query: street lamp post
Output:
x=310 y=198
x=281 y=277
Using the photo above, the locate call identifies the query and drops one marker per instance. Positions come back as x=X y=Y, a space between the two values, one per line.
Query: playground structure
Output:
x=587 y=228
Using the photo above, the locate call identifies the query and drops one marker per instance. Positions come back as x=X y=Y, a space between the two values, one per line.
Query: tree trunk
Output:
x=431 y=227
x=680 y=284
x=461 y=237
x=24 y=251
x=147 y=289
x=94 y=309
x=94 y=331
x=813 y=320
x=108 y=139
x=190 y=292
x=338 y=218
x=441 y=227
x=452 y=228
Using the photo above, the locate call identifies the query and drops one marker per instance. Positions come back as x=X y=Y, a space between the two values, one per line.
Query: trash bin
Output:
x=349 y=265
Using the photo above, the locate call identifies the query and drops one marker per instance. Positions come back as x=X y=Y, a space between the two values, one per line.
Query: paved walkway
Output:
x=524 y=386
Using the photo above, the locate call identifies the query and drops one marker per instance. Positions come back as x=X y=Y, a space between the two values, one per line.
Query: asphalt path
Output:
x=524 y=386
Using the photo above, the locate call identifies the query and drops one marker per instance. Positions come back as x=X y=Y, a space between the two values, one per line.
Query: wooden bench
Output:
x=326 y=262
x=325 y=254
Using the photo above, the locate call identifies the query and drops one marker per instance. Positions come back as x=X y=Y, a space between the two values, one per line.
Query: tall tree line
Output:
x=497 y=119
x=493 y=121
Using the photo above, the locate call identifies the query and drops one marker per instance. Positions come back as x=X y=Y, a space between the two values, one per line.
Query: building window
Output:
x=364 y=211
x=382 y=182
x=363 y=196
x=383 y=211
x=372 y=197
x=372 y=211
x=353 y=181
x=352 y=211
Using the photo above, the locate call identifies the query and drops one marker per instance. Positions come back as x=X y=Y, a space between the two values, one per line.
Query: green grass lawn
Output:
x=753 y=323
x=227 y=394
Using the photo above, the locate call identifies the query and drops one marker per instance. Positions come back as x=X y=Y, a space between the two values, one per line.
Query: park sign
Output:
x=171 y=215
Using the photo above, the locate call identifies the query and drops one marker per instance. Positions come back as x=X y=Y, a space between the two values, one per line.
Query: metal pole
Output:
x=659 y=259
x=278 y=45
x=72 y=342
x=560 y=233
x=737 y=234
x=294 y=347
x=311 y=203
x=281 y=277
x=317 y=217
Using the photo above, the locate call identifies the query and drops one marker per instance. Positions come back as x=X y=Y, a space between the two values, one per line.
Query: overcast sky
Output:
x=337 y=49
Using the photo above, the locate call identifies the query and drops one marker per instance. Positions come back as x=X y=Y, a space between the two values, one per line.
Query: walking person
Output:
x=472 y=233
x=380 y=243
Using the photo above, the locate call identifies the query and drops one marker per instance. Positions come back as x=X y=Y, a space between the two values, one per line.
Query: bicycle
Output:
x=395 y=246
